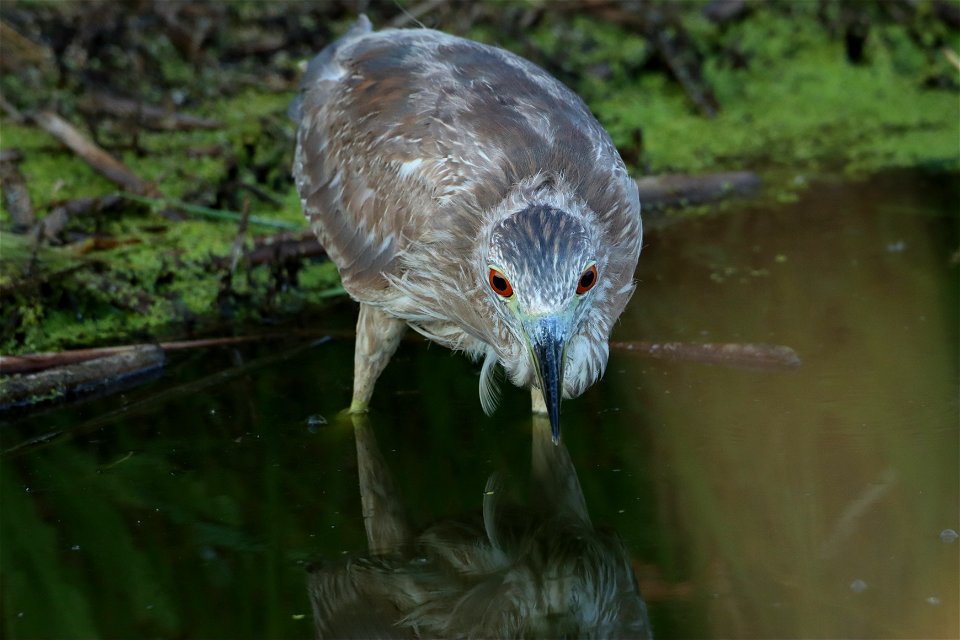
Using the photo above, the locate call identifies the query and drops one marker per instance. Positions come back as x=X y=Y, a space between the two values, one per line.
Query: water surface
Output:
x=819 y=502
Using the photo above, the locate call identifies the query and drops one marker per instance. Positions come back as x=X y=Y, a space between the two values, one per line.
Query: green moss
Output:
x=50 y=171
x=318 y=279
x=794 y=102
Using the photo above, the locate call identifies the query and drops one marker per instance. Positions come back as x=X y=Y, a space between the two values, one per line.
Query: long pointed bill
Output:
x=548 y=337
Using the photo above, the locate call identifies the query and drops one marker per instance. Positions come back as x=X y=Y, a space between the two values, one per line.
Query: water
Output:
x=819 y=502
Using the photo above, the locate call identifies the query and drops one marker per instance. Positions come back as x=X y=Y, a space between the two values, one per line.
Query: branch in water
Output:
x=79 y=378
x=767 y=357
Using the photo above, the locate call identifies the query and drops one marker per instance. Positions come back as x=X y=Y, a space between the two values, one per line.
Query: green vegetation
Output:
x=789 y=97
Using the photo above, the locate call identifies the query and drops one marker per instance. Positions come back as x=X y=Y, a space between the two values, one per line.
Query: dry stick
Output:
x=735 y=355
x=92 y=154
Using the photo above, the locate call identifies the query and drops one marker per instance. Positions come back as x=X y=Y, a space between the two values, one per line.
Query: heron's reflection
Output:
x=539 y=570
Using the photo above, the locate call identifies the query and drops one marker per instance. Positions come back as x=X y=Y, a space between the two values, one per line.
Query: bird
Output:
x=535 y=570
x=464 y=192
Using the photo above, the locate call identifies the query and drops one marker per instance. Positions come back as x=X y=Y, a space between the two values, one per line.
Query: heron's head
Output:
x=543 y=271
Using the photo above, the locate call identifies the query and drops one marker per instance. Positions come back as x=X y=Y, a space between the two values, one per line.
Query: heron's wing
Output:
x=363 y=168
x=408 y=136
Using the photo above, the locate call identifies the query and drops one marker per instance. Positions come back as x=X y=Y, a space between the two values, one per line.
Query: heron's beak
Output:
x=548 y=339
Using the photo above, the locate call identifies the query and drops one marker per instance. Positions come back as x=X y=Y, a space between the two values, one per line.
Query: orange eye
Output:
x=587 y=279
x=500 y=284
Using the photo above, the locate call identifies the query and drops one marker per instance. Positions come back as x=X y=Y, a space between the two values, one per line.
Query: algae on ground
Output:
x=164 y=276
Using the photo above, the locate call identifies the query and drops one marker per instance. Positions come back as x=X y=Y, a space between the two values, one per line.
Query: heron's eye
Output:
x=587 y=279
x=500 y=284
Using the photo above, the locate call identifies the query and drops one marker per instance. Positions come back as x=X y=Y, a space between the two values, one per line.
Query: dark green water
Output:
x=811 y=503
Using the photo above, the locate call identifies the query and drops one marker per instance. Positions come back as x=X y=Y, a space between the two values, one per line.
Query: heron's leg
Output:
x=378 y=336
x=539 y=406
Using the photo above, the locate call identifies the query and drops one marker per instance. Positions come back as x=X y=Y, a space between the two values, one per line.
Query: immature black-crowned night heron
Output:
x=464 y=192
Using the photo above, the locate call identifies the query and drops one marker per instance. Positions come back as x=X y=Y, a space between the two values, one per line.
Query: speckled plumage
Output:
x=423 y=158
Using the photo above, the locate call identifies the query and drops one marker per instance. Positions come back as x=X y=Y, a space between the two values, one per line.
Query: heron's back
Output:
x=411 y=135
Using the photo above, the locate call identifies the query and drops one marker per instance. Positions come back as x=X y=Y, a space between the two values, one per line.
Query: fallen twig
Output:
x=735 y=355
x=92 y=154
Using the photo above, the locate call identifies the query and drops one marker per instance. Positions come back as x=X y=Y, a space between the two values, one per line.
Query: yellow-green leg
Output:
x=378 y=336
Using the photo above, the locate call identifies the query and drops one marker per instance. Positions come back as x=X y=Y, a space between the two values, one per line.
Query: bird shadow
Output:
x=539 y=569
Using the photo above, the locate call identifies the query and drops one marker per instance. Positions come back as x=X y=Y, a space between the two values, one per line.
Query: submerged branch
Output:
x=678 y=190
x=92 y=154
x=78 y=378
x=40 y=361
x=768 y=357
